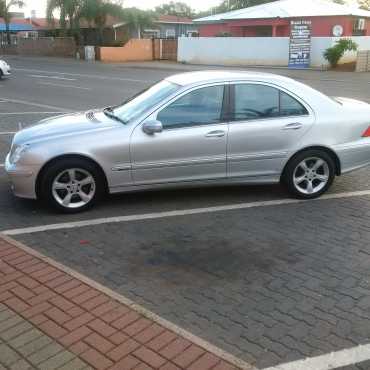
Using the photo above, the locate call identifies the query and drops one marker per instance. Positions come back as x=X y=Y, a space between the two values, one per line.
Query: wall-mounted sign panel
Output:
x=300 y=44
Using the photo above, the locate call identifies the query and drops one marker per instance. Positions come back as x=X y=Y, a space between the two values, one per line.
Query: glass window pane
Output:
x=290 y=106
x=199 y=107
x=255 y=102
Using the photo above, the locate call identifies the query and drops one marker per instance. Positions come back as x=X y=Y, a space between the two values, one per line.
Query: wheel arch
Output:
x=69 y=156
x=333 y=155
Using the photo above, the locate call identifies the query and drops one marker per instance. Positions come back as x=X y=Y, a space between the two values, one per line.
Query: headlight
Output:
x=16 y=152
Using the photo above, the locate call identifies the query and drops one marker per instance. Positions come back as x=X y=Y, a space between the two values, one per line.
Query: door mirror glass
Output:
x=152 y=127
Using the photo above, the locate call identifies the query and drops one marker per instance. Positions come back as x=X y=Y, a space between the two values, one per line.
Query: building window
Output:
x=359 y=27
x=192 y=33
x=170 y=33
x=151 y=34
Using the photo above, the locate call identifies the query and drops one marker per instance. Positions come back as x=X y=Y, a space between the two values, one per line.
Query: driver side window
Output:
x=199 y=107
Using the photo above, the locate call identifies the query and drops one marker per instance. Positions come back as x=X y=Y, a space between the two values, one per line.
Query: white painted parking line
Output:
x=26 y=113
x=185 y=212
x=53 y=77
x=33 y=104
x=329 y=361
x=8 y=133
x=60 y=85
x=2 y=165
x=102 y=77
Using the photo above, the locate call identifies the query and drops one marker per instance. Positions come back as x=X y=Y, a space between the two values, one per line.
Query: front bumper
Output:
x=23 y=179
x=7 y=71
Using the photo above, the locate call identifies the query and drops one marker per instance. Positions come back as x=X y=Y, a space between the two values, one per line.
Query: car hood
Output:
x=65 y=125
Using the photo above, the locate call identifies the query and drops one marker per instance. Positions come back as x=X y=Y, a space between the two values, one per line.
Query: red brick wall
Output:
x=47 y=46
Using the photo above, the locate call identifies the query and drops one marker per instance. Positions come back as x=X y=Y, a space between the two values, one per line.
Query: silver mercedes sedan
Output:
x=199 y=128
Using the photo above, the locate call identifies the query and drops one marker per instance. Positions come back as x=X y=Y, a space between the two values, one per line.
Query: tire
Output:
x=72 y=185
x=1 y=74
x=301 y=171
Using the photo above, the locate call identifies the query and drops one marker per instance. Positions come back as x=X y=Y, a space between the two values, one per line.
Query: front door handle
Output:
x=293 y=126
x=218 y=133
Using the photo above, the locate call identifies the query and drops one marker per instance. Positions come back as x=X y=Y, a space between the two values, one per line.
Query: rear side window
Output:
x=290 y=106
x=253 y=101
x=199 y=107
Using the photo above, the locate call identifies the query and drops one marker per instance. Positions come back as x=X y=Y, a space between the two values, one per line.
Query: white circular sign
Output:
x=338 y=30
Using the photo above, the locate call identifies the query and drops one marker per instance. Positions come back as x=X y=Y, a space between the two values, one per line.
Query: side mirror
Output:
x=152 y=127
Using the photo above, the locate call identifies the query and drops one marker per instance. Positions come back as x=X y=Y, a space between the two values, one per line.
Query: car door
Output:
x=267 y=124
x=192 y=145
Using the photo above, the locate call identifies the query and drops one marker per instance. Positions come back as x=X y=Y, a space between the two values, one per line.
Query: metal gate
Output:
x=165 y=49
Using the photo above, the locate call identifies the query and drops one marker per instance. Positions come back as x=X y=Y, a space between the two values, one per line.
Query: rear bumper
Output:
x=22 y=179
x=354 y=156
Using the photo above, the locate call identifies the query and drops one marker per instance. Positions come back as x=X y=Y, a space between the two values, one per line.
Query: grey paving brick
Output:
x=25 y=338
x=7 y=355
x=56 y=361
x=45 y=353
x=75 y=364
x=6 y=314
x=22 y=365
x=16 y=330
x=34 y=346
x=9 y=323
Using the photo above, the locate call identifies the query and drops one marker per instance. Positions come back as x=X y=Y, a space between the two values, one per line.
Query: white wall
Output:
x=264 y=51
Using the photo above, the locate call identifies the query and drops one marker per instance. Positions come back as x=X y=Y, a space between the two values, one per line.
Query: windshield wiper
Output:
x=109 y=112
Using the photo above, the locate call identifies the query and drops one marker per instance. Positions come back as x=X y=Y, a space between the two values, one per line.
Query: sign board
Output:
x=300 y=44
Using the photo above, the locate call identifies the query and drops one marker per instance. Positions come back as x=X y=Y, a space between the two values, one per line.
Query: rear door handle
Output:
x=293 y=126
x=218 y=133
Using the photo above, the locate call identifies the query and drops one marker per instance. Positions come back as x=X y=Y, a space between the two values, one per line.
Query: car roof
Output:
x=213 y=76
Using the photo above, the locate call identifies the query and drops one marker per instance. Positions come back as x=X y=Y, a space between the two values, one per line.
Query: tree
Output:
x=6 y=14
x=179 y=9
x=97 y=11
x=364 y=4
x=137 y=19
x=70 y=12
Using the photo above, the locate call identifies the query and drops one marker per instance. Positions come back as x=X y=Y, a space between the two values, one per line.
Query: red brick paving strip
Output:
x=101 y=331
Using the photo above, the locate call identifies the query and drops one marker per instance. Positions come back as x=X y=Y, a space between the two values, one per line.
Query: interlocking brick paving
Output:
x=52 y=320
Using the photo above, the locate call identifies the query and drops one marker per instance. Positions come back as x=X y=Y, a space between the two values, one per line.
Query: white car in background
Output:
x=5 y=69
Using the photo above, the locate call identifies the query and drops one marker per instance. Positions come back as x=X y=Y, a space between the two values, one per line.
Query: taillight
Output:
x=366 y=133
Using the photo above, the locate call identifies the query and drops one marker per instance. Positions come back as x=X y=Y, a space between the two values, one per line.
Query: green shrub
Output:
x=336 y=52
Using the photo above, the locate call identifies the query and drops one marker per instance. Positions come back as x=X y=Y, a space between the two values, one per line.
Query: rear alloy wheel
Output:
x=310 y=174
x=71 y=185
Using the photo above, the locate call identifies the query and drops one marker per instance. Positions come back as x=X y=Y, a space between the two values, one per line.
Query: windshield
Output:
x=144 y=101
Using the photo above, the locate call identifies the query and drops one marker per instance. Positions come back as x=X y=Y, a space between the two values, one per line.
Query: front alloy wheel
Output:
x=71 y=185
x=74 y=188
